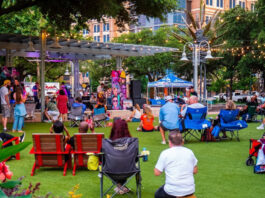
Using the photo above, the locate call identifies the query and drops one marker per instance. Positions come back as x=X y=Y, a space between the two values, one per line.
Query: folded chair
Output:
x=48 y=150
x=99 y=117
x=76 y=116
x=230 y=123
x=85 y=143
x=120 y=163
x=251 y=115
x=194 y=123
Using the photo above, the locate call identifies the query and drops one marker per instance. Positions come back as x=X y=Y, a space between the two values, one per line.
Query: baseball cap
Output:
x=6 y=82
x=167 y=98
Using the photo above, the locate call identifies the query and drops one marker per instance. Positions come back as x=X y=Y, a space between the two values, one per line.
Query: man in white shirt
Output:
x=179 y=165
x=193 y=103
x=5 y=105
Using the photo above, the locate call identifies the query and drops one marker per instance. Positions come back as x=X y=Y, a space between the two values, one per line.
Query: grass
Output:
x=222 y=170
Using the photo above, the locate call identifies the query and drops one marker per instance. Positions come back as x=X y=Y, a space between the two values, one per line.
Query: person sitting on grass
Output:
x=58 y=127
x=179 y=164
x=120 y=130
x=136 y=114
x=83 y=128
x=78 y=103
x=147 y=120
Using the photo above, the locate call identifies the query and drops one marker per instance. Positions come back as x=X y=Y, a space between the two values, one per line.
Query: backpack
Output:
x=207 y=135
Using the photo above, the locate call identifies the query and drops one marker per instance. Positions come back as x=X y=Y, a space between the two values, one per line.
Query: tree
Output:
x=63 y=13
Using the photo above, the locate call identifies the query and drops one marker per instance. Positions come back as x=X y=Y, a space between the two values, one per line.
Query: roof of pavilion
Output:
x=75 y=49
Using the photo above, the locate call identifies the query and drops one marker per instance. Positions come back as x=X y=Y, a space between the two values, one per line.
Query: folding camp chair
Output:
x=195 y=123
x=229 y=122
x=85 y=143
x=120 y=163
x=75 y=116
x=99 y=117
x=49 y=151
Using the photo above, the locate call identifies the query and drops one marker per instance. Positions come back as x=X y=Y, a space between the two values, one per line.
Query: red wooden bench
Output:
x=49 y=151
x=85 y=143
x=16 y=139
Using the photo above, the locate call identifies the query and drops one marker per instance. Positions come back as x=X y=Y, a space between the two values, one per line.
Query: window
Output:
x=232 y=3
x=157 y=21
x=177 y=17
x=106 y=38
x=142 y=20
x=220 y=3
x=209 y=2
x=97 y=38
x=244 y=5
x=252 y=7
x=96 y=28
x=106 y=27
x=85 y=32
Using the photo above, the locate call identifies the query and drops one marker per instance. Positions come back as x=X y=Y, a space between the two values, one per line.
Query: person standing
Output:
x=5 y=105
x=36 y=90
x=179 y=164
x=62 y=100
x=19 y=110
x=169 y=117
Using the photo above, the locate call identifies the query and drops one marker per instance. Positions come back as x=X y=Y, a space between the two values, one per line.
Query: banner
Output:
x=118 y=94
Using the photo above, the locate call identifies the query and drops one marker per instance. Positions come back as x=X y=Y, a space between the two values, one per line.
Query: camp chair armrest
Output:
x=91 y=153
x=141 y=156
x=40 y=152
x=11 y=140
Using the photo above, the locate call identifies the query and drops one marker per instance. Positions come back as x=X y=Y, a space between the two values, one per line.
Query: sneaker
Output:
x=261 y=127
x=22 y=137
x=138 y=129
x=6 y=130
x=163 y=142
x=224 y=137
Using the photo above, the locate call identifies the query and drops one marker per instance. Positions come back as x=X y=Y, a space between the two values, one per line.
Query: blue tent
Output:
x=170 y=80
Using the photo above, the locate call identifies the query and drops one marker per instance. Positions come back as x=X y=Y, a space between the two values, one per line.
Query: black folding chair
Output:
x=76 y=116
x=120 y=163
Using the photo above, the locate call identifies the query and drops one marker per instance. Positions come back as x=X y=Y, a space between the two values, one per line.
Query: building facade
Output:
x=212 y=5
x=103 y=31
x=175 y=18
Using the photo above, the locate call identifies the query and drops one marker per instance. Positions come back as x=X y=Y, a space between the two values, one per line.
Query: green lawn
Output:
x=222 y=170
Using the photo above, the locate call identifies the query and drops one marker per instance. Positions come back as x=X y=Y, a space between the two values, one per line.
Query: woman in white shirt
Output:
x=136 y=114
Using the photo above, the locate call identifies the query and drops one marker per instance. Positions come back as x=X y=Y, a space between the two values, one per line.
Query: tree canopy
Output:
x=64 y=13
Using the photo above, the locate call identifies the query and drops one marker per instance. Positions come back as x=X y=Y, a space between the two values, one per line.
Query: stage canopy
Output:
x=170 y=81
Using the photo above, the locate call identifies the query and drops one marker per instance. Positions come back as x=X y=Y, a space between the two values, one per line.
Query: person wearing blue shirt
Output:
x=169 y=117
x=78 y=103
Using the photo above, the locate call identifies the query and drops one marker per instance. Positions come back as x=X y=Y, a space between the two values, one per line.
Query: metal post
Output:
x=204 y=91
x=195 y=64
x=8 y=58
x=42 y=71
x=76 y=78
x=200 y=82
x=118 y=63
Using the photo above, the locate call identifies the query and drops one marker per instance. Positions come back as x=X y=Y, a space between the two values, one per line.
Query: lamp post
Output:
x=196 y=59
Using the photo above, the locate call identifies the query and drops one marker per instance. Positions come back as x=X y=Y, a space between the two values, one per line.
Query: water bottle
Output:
x=145 y=157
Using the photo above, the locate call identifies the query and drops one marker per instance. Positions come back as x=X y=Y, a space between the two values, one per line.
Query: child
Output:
x=90 y=123
x=58 y=127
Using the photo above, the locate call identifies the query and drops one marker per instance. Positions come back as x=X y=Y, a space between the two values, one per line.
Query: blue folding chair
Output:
x=100 y=117
x=230 y=123
x=195 y=123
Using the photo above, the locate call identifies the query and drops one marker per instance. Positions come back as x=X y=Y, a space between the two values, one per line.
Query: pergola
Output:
x=44 y=48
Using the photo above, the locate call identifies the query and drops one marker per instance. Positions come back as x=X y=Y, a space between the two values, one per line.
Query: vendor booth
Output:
x=170 y=81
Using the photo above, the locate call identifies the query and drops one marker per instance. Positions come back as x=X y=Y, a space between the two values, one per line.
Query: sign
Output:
x=50 y=88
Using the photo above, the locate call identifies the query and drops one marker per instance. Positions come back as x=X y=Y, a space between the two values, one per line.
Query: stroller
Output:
x=256 y=149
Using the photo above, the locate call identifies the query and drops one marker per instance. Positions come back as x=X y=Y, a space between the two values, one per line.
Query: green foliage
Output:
x=10 y=184
x=12 y=150
x=64 y=13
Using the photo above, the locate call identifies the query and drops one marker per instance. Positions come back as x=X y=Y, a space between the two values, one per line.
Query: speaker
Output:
x=139 y=101
x=135 y=91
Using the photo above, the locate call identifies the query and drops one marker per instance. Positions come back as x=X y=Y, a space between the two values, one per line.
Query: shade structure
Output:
x=170 y=80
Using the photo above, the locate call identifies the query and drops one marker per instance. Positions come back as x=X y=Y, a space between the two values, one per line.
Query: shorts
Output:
x=54 y=114
x=136 y=120
x=144 y=130
x=166 y=129
x=5 y=111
